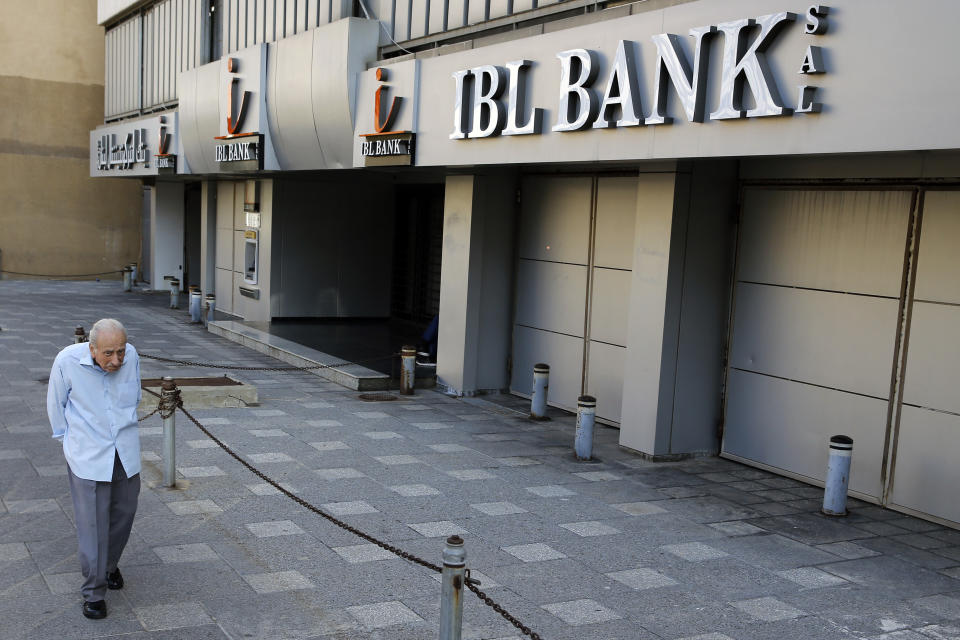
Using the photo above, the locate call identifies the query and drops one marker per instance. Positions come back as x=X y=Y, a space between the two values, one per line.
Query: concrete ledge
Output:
x=208 y=395
x=351 y=376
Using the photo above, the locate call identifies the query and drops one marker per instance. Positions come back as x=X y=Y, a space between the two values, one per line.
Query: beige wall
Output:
x=55 y=219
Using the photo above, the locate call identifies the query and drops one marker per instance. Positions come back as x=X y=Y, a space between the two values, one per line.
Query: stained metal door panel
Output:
x=819 y=337
x=785 y=424
x=938 y=269
x=836 y=240
x=563 y=353
x=927 y=474
x=610 y=306
x=933 y=364
x=551 y=296
x=605 y=379
x=616 y=215
x=555 y=224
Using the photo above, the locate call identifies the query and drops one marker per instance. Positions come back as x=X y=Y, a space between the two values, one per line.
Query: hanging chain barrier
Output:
x=62 y=275
x=212 y=365
x=170 y=402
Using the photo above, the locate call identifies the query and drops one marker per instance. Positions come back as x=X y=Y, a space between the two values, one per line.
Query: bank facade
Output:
x=730 y=222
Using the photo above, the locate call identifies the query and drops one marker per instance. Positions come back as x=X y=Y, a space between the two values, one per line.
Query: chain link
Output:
x=170 y=402
x=211 y=365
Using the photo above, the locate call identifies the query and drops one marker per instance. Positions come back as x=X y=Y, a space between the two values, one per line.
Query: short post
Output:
x=586 y=413
x=133 y=272
x=838 y=476
x=79 y=335
x=168 y=392
x=196 y=302
x=408 y=370
x=127 y=278
x=541 y=385
x=174 y=294
x=211 y=305
x=451 y=589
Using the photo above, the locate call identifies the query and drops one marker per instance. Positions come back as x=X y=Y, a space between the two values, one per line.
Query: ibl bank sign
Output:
x=489 y=99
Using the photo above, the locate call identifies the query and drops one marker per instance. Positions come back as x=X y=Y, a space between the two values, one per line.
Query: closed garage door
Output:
x=575 y=255
x=817 y=307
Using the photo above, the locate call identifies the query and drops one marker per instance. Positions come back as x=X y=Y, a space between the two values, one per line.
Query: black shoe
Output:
x=95 y=610
x=115 y=580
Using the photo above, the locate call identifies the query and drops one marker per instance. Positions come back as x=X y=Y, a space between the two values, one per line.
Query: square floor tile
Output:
x=395 y=460
x=694 y=551
x=941 y=605
x=517 y=461
x=274 y=528
x=448 y=448
x=443 y=528
x=149 y=456
x=848 y=550
x=12 y=454
x=811 y=578
x=12 y=551
x=32 y=506
x=339 y=473
x=324 y=423
x=61 y=583
x=411 y=490
x=768 y=609
x=536 y=552
x=472 y=474
x=383 y=614
x=332 y=445
x=357 y=553
x=265 y=489
x=316 y=405
x=580 y=612
x=268 y=413
x=261 y=458
x=267 y=433
x=709 y=636
x=642 y=578
x=353 y=508
x=278 y=581
x=590 y=528
x=639 y=508
x=598 y=476
x=498 y=508
x=735 y=528
x=371 y=415
x=432 y=426
x=383 y=435
x=172 y=616
x=53 y=470
x=207 y=421
x=551 y=491
x=206 y=443
x=201 y=472
x=190 y=507
x=185 y=553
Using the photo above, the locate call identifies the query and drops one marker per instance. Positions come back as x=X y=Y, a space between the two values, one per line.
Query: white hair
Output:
x=108 y=325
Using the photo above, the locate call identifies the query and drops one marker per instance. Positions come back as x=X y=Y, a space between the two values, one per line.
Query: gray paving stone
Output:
x=324 y=423
x=201 y=472
x=642 y=578
x=448 y=448
x=941 y=632
x=278 y=581
x=942 y=605
x=383 y=614
x=383 y=435
x=590 y=528
x=516 y=461
x=397 y=459
x=32 y=506
x=340 y=473
x=441 y=528
x=189 y=507
x=274 y=528
x=694 y=551
x=412 y=490
x=332 y=445
x=892 y=576
x=60 y=583
x=847 y=550
x=264 y=489
x=472 y=474
x=598 y=476
x=735 y=528
x=202 y=444
x=350 y=508
x=581 y=612
x=172 y=616
x=535 y=552
x=264 y=458
x=363 y=553
x=768 y=609
x=498 y=508
x=639 y=508
x=267 y=433
x=551 y=491
x=811 y=577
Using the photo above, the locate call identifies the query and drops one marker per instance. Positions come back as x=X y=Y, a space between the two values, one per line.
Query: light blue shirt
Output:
x=94 y=412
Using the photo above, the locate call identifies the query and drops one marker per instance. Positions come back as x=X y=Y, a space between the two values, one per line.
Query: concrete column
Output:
x=208 y=236
x=476 y=283
x=166 y=233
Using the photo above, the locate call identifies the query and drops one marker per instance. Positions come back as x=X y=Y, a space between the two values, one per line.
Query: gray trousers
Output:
x=104 y=513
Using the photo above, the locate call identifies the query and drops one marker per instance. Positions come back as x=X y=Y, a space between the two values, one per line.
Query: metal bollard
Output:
x=408 y=370
x=451 y=589
x=133 y=272
x=174 y=294
x=196 y=304
x=127 y=279
x=79 y=335
x=541 y=384
x=838 y=476
x=586 y=412
x=211 y=306
x=168 y=388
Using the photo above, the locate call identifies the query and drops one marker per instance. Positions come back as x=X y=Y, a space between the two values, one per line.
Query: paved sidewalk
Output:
x=616 y=549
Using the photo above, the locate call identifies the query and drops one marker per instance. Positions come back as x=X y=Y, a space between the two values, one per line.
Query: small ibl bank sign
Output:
x=240 y=153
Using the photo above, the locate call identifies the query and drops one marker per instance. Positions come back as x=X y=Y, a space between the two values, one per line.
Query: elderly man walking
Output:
x=92 y=405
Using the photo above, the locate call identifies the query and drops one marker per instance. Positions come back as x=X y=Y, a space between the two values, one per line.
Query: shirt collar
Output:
x=86 y=358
